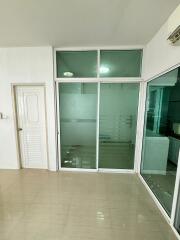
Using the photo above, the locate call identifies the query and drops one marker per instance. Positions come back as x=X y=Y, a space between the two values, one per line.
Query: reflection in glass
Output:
x=76 y=64
x=120 y=63
x=118 y=116
x=78 y=104
x=162 y=136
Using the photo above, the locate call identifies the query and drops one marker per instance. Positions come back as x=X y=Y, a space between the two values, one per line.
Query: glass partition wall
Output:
x=97 y=119
x=161 y=141
x=98 y=92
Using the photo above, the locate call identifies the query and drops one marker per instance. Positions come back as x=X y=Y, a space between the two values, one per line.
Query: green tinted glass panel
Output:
x=120 y=63
x=78 y=108
x=76 y=64
x=162 y=136
x=118 y=116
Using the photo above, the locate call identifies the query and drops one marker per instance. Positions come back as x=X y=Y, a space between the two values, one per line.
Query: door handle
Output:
x=20 y=129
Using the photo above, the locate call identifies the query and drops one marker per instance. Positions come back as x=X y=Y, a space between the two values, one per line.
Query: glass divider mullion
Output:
x=97 y=126
x=58 y=127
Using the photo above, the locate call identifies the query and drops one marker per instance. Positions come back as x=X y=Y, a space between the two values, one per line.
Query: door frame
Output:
x=139 y=123
x=15 y=117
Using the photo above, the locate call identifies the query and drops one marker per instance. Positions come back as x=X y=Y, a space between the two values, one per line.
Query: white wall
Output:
x=24 y=65
x=35 y=65
x=159 y=54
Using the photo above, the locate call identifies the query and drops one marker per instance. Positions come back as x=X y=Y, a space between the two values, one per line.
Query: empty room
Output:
x=90 y=120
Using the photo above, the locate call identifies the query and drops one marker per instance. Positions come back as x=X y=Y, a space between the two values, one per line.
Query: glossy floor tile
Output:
x=37 y=205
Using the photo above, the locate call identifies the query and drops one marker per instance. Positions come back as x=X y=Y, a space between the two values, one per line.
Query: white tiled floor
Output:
x=37 y=205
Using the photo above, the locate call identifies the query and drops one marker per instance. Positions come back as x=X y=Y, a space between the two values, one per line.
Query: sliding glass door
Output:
x=116 y=118
x=78 y=110
x=117 y=126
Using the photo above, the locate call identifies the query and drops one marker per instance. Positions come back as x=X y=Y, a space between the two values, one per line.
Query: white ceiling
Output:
x=64 y=23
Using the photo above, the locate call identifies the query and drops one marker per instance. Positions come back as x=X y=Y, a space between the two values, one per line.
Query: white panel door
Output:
x=30 y=104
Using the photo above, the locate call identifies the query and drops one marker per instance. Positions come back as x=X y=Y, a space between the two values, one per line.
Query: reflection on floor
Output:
x=116 y=155
x=163 y=185
x=111 y=155
x=79 y=156
x=42 y=205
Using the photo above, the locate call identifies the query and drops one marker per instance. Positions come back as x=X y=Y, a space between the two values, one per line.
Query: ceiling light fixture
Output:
x=104 y=69
x=68 y=74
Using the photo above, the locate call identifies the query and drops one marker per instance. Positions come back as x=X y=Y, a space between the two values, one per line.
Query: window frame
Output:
x=139 y=47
